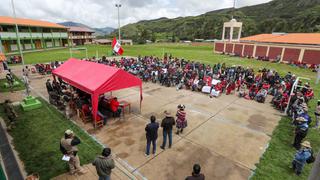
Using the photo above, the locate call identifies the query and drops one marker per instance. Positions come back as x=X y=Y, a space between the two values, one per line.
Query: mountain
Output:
x=98 y=31
x=71 y=23
x=103 y=31
x=274 y=16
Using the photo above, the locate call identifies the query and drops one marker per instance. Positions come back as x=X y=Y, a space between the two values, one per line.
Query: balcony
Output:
x=81 y=37
x=47 y=35
x=56 y=34
x=64 y=35
x=36 y=35
x=25 y=35
x=7 y=35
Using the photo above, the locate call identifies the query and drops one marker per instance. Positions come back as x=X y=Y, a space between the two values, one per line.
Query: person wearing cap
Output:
x=104 y=164
x=68 y=146
x=300 y=131
x=196 y=175
x=181 y=119
x=151 y=135
x=167 y=125
x=301 y=157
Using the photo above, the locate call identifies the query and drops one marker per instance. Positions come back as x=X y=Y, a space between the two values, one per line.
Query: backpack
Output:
x=311 y=159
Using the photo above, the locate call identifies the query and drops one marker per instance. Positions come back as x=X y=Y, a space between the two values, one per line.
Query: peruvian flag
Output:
x=116 y=46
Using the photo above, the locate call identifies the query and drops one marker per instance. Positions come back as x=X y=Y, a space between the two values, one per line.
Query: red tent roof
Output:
x=93 y=77
x=96 y=79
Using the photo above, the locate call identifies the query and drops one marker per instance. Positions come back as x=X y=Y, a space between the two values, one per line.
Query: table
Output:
x=123 y=105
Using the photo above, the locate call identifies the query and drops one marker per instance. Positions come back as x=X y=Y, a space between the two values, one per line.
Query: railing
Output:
x=24 y=35
x=47 y=35
x=8 y=35
x=56 y=34
x=36 y=35
x=64 y=35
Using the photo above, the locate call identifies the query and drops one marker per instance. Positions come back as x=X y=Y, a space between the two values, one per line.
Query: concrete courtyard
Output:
x=225 y=135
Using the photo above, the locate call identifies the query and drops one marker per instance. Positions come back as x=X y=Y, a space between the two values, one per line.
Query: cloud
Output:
x=102 y=13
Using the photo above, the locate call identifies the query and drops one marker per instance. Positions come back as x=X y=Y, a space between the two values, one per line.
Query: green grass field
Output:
x=37 y=136
x=15 y=88
x=276 y=161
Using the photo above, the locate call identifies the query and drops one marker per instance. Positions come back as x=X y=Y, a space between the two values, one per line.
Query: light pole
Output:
x=17 y=31
x=119 y=6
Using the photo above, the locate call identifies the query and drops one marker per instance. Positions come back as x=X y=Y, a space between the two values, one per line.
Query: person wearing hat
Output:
x=167 y=125
x=300 y=131
x=196 y=175
x=68 y=146
x=181 y=119
x=104 y=164
x=152 y=135
x=301 y=157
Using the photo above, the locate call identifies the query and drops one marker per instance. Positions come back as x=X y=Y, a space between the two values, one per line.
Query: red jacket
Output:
x=114 y=104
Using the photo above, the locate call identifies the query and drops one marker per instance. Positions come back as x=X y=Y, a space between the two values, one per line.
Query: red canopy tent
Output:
x=96 y=79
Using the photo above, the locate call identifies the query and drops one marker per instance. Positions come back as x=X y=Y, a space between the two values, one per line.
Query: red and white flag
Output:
x=116 y=46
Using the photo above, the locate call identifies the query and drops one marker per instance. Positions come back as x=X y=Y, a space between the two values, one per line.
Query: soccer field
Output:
x=194 y=53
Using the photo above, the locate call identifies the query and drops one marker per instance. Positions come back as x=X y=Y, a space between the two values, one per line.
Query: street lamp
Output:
x=17 y=31
x=118 y=6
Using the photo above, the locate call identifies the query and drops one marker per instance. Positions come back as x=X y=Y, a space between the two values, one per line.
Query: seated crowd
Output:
x=74 y=101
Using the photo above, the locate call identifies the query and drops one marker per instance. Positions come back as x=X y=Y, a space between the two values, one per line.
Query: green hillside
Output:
x=275 y=16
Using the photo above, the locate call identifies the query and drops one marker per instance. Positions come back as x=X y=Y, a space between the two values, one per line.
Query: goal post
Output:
x=295 y=86
x=71 y=50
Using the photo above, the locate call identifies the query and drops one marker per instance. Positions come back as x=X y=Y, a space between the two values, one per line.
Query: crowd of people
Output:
x=73 y=101
x=220 y=79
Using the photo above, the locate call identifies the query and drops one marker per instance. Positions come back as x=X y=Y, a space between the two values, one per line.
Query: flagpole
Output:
x=17 y=32
x=118 y=7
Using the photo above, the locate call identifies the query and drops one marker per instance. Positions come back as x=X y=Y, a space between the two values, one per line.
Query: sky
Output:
x=103 y=13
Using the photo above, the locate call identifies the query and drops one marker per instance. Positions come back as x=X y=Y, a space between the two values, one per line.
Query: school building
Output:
x=80 y=35
x=286 y=47
x=34 y=34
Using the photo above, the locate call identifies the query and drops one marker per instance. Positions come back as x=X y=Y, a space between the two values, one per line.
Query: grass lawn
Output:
x=276 y=161
x=37 y=136
x=15 y=88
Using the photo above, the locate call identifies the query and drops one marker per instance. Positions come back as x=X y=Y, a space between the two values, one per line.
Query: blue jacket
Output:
x=152 y=130
x=302 y=155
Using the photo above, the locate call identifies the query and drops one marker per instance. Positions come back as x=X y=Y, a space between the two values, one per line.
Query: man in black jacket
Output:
x=196 y=175
x=152 y=135
x=167 y=124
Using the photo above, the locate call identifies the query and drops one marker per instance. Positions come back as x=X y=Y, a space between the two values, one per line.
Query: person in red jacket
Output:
x=115 y=107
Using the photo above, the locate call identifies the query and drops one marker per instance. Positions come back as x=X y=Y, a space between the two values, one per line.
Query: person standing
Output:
x=181 y=119
x=301 y=157
x=10 y=79
x=68 y=146
x=167 y=124
x=300 y=131
x=152 y=135
x=196 y=175
x=104 y=164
